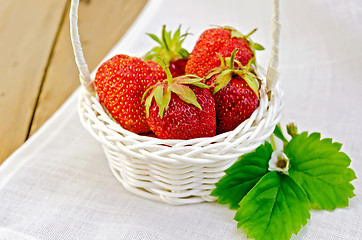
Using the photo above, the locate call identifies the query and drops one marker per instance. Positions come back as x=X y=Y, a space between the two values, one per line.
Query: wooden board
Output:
x=27 y=32
x=38 y=68
x=101 y=25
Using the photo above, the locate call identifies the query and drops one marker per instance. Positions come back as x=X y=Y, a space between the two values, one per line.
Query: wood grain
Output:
x=27 y=33
x=38 y=71
x=101 y=25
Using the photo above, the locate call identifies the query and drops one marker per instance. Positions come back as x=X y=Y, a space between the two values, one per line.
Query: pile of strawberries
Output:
x=171 y=94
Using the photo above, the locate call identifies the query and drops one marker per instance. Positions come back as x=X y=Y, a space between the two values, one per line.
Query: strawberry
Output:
x=180 y=108
x=236 y=92
x=170 y=52
x=120 y=83
x=177 y=68
x=221 y=40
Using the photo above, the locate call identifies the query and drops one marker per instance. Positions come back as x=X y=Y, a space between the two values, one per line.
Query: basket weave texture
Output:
x=176 y=171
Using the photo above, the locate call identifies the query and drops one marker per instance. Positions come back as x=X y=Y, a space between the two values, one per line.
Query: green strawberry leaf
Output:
x=321 y=170
x=222 y=80
x=275 y=208
x=274 y=205
x=192 y=80
x=241 y=177
x=279 y=133
x=184 y=53
x=176 y=35
x=166 y=38
x=185 y=93
x=155 y=38
x=162 y=98
x=222 y=61
x=258 y=47
x=249 y=64
x=158 y=94
x=148 y=101
x=236 y=34
x=252 y=82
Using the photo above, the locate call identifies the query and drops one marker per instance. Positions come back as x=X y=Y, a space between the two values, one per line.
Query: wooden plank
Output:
x=101 y=24
x=27 y=33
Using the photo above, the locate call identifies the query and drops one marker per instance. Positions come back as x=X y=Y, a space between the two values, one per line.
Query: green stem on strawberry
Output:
x=169 y=75
x=165 y=41
x=169 y=51
x=222 y=61
x=253 y=46
x=233 y=58
x=251 y=33
x=222 y=40
x=226 y=72
x=237 y=34
x=161 y=91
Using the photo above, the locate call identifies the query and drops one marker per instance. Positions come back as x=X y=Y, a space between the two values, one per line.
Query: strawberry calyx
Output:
x=236 y=34
x=161 y=91
x=226 y=71
x=169 y=48
x=252 y=45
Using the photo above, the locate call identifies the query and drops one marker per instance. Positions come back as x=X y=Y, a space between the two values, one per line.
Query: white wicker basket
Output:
x=176 y=171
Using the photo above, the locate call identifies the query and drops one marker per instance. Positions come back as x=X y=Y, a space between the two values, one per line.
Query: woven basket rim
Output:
x=112 y=135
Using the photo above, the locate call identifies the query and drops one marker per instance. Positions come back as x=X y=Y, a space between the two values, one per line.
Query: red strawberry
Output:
x=183 y=108
x=121 y=82
x=221 y=41
x=236 y=93
x=170 y=51
x=177 y=67
x=157 y=70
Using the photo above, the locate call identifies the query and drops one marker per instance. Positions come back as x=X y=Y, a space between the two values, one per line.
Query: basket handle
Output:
x=272 y=75
x=84 y=74
x=87 y=82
